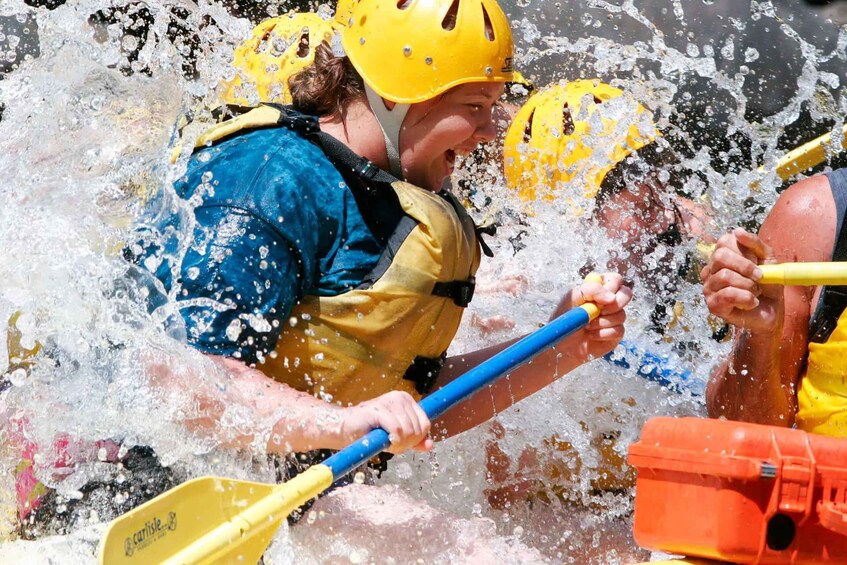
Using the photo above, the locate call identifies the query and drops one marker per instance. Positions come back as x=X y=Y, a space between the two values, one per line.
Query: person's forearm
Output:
x=749 y=386
x=299 y=422
x=239 y=406
x=522 y=382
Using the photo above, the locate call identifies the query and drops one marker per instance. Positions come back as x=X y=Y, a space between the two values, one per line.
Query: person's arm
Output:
x=595 y=340
x=285 y=420
x=758 y=382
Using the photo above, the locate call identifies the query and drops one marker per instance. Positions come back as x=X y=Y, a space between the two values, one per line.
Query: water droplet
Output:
x=17 y=377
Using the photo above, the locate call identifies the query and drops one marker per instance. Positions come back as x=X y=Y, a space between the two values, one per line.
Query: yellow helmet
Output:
x=344 y=13
x=278 y=49
x=561 y=134
x=409 y=51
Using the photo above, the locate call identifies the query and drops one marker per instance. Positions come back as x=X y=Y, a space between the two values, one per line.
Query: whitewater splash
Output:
x=90 y=120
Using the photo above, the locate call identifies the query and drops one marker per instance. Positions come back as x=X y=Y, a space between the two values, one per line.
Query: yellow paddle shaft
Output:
x=591 y=308
x=796 y=274
x=804 y=274
x=806 y=156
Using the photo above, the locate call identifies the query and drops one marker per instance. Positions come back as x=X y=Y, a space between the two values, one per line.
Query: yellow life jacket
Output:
x=822 y=398
x=360 y=344
x=822 y=394
x=393 y=331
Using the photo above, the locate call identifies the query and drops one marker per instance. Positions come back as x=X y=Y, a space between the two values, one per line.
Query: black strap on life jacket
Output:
x=833 y=298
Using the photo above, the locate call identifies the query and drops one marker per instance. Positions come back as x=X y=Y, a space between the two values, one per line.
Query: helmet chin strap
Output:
x=390 y=122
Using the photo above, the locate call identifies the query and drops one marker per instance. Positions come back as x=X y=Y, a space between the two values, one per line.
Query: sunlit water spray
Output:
x=87 y=131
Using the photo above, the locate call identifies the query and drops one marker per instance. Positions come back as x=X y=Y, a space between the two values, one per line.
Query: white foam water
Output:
x=91 y=110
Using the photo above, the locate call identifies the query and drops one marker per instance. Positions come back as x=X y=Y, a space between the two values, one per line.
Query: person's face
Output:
x=436 y=131
x=642 y=221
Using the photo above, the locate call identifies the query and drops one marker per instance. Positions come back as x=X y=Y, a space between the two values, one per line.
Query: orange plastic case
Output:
x=738 y=492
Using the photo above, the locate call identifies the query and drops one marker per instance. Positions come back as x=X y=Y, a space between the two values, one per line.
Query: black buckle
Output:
x=460 y=291
x=368 y=170
x=423 y=371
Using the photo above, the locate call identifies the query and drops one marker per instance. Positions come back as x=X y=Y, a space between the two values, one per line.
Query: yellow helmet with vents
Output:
x=572 y=132
x=410 y=51
x=278 y=49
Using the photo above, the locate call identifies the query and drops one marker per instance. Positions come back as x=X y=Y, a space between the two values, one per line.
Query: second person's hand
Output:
x=730 y=283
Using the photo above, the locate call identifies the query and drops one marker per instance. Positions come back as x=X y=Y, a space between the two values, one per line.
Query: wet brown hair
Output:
x=643 y=164
x=327 y=86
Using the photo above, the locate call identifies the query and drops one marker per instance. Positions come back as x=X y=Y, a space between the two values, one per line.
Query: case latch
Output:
x=797 y=482
x=832 y=508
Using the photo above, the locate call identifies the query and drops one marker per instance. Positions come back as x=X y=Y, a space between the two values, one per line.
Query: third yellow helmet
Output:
x=561 y=135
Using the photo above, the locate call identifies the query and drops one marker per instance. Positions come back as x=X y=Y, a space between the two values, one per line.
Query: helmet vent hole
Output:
x=265 y=42
x=568 y=126
x=597 y=100
x=489 y=29
x=449 y=21
x=527 y=130
x=303 y=44
x=403 y=4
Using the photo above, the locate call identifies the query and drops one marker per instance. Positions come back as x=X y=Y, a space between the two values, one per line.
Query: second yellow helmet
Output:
x=564 y=134
x=278 y=49
x=344 y=12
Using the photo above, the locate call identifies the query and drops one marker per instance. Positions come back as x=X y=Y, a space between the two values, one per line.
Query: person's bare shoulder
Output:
x=801 y=225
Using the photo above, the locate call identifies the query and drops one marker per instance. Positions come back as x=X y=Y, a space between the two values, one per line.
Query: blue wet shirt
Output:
x=275 y=221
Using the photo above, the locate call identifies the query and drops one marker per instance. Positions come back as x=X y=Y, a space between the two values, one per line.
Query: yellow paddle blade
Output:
x=804 y=274
x=209 y=520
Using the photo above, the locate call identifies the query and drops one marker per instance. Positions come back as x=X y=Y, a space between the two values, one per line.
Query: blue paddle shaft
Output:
x=464 y=386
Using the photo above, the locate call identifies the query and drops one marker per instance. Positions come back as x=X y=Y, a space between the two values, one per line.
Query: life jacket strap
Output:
x=487 y=229
x=833 y=299
x=461 y=292
x=423 y=371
